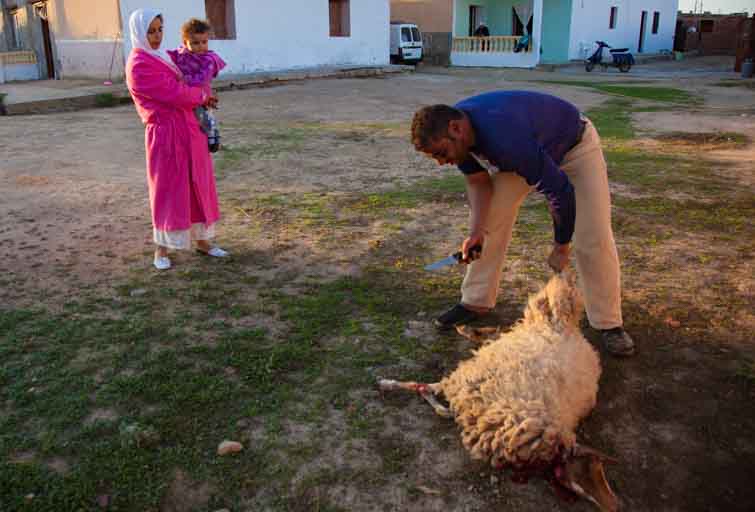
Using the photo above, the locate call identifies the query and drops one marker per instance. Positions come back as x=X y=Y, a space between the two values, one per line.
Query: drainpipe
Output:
x=122 y=32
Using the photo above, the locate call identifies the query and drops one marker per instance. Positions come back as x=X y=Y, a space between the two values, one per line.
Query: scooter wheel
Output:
x=589 y=66
x=624 y=68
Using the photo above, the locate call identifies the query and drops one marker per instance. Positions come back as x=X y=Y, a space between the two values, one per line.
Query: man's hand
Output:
x=474 y=239
x=559 y=258
x=212 y=102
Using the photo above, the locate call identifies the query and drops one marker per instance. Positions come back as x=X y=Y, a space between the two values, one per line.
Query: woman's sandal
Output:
x=215 y=252
x=161 y=262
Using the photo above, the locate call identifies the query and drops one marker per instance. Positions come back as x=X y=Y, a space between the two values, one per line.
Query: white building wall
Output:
x=94 y=58
x=86 y=37
x=283 y=34
x=590 y=21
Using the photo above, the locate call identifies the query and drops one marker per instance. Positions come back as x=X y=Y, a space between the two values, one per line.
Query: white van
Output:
x=406 y=43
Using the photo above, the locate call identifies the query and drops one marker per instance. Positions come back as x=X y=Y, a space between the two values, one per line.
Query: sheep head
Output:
x=559 y=304
x=583 y=473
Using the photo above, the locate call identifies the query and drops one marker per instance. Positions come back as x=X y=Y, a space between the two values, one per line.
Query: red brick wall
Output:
x=721 y=41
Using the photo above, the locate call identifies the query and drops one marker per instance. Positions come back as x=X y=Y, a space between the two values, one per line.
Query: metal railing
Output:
x=491 y=44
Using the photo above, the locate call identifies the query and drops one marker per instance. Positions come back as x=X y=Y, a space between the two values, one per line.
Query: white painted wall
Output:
x=590 y=19
x=90 y=58
x=84 y=37
x=283 y=34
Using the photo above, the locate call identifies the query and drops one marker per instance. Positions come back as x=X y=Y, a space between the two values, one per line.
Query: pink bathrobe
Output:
x=179 y=167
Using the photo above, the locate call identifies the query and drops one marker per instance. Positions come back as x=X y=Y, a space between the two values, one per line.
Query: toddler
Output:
x=199 y=66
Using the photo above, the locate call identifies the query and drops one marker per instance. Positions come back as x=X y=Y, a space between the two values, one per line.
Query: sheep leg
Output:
x=426 y=391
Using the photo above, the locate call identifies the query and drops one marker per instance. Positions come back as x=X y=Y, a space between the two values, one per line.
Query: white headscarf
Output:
x=139 y=26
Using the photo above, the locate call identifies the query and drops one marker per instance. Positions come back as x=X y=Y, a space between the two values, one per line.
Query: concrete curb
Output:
x=119 y=95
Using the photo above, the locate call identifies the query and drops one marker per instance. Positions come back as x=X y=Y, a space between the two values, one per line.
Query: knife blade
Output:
x=455 y=258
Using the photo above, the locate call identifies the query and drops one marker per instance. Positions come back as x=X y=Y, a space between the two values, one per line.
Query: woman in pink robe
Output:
x=180 y=174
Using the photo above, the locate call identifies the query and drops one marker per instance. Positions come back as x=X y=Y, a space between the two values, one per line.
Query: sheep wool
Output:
x=519 y=399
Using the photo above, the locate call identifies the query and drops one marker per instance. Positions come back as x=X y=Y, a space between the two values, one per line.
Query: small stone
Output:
x=223 y=510
x=470 y=488
x=671 y=322
x=29 y=497
x=103 y=500
x=421 y=314
x=493 y=480
x=242 y=423
x=227 y=447
x=138 y=292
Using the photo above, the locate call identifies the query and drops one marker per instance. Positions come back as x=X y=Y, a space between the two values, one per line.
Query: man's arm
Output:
x=538 y=169
x=479 y=192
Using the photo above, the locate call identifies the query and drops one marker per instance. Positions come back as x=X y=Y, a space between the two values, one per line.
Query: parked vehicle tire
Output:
x=624 y=67
x=589 y=65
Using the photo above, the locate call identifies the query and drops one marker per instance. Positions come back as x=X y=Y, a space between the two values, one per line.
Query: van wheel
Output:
x=394 y=59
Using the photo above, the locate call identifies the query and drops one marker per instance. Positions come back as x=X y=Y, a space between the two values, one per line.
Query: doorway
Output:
x=41 y=10
x=643 y=22
x=476 y=15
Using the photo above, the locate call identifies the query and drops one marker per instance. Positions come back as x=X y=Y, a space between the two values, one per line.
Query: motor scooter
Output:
x=622 y=59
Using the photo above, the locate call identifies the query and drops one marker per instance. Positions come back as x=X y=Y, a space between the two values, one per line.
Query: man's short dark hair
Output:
x=194 y=26
x=431 y=123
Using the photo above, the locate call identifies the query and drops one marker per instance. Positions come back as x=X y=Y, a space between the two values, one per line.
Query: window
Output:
x=406 y=35
x=222 y=16
x=614 y=16
x=656 y=21
x=706 y=25
x=415 y=35
x=340 y=19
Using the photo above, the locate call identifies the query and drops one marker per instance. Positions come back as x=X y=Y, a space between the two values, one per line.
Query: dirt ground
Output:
x=75 y=218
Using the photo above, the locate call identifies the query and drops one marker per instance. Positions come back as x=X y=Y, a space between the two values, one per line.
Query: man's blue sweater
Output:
x=527 y=133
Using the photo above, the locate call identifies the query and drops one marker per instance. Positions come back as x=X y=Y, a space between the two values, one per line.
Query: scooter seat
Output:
x=619 y=50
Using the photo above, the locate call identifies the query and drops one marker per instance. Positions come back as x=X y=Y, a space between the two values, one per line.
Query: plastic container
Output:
x=747 y=68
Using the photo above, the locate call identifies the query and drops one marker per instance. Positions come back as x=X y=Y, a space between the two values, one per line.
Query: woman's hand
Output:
x=559 y=257
x=211 y=102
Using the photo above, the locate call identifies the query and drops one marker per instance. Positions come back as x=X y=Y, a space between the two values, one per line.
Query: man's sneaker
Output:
x=618 y=342
x=457 y=315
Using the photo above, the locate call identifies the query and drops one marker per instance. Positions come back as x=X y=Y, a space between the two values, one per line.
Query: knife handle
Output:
x=474 y=252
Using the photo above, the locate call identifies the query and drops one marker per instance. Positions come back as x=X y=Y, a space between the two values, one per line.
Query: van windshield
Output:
x=415 y=33
x=406 y=35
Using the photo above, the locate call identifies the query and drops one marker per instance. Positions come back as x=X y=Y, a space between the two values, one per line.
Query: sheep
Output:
x=519 y=399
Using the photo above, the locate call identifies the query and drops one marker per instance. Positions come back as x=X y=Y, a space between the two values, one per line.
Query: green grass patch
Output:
x=613 y=120
x=105 y=100
x=650 y=93
x=718 y=139
x=642 y=92
x=722 y=220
